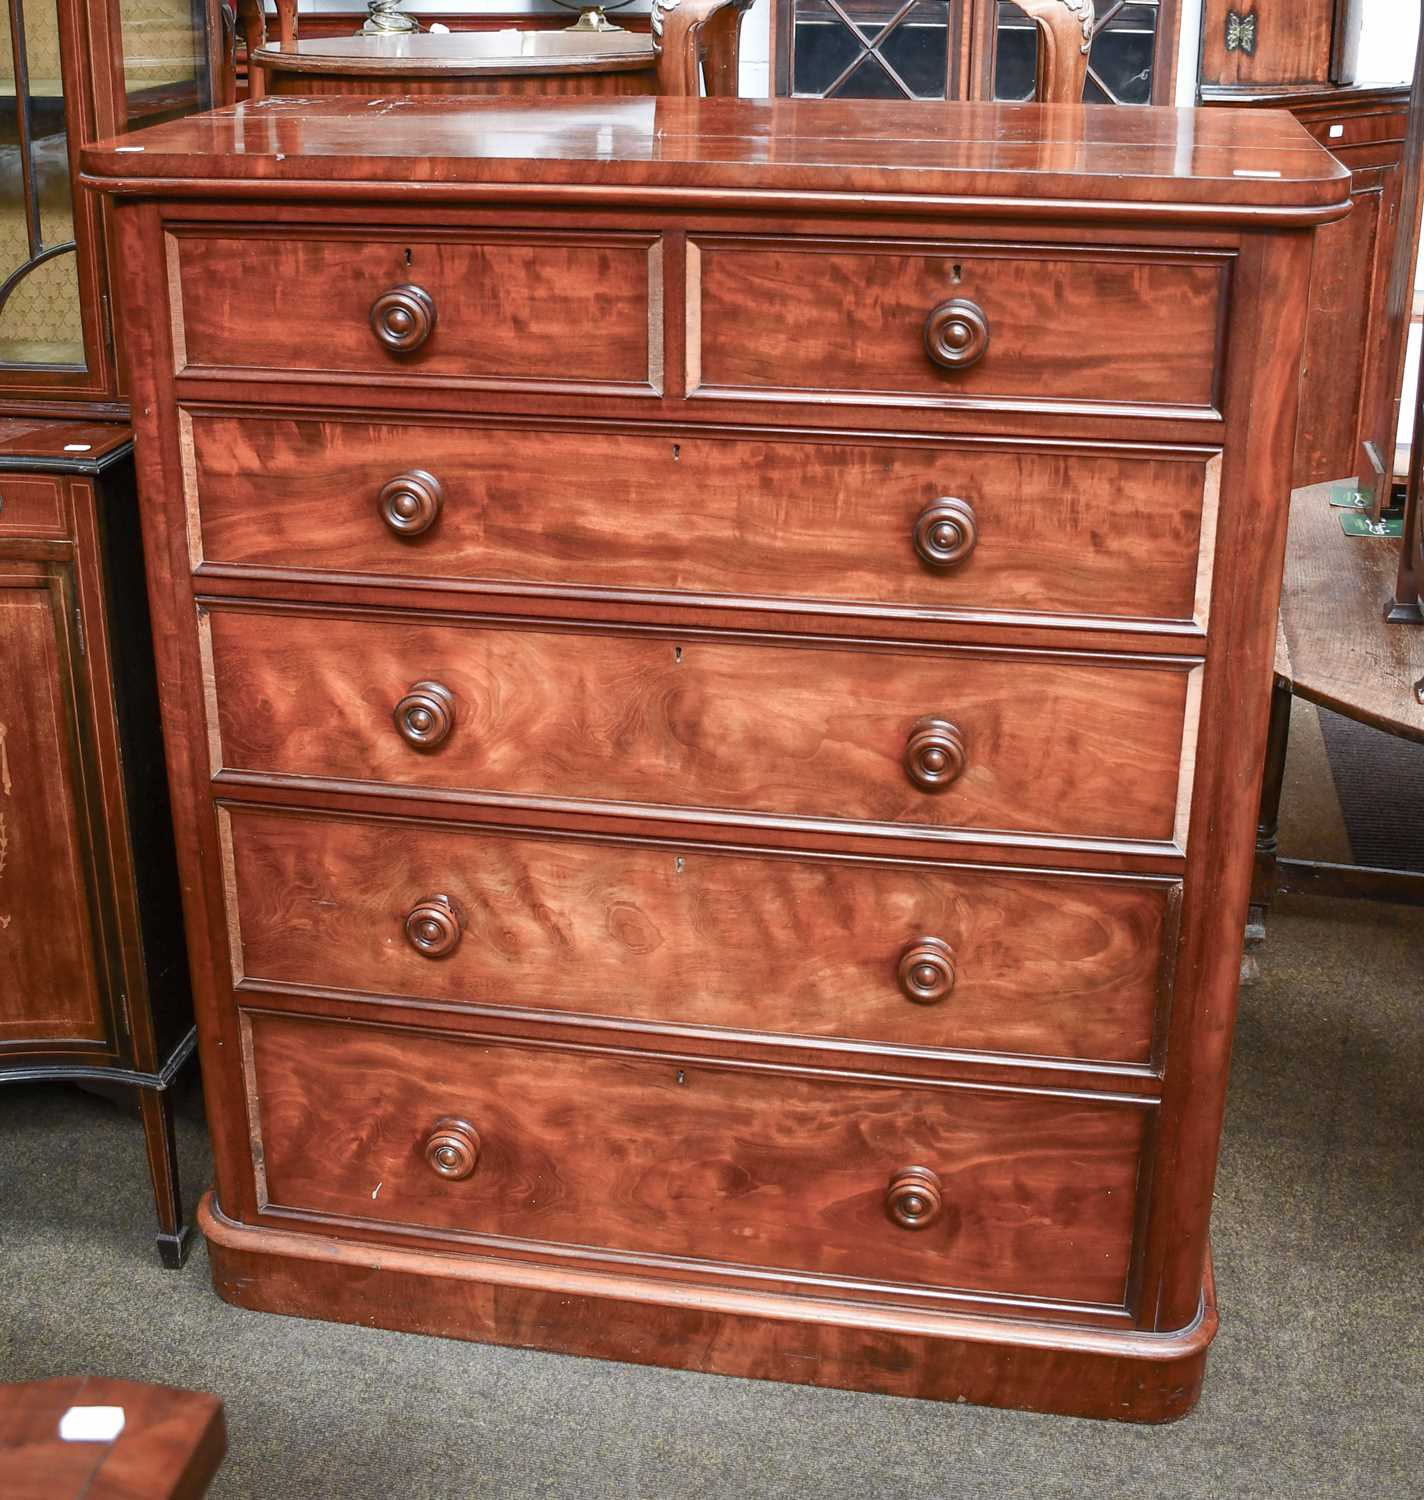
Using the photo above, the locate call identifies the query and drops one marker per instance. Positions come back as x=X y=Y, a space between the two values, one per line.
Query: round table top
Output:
x=422 y=54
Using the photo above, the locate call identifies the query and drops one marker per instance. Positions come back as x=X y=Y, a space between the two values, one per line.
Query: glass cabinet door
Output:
x=163 y=60
x=867 y=49
x=72 y=71
x=41 y=318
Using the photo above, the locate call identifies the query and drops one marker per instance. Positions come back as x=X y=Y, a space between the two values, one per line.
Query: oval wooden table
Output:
x=478 y=62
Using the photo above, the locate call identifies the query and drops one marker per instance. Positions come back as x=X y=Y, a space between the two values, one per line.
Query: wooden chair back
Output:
x=1065 y=35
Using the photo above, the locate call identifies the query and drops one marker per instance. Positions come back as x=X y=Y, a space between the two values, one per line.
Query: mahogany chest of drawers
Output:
x=714 y=663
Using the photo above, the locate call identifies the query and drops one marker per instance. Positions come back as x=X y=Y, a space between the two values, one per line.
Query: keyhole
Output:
x=678 y=864
x=956 y=274
x=677 y=653
x=407 y=255
x=681 y=1076
x=677 y=453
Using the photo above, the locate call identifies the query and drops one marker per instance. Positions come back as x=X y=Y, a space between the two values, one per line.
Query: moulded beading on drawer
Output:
x=1074 y=745
x=914 y=524
x=499 y=308
x=902 y=954
x=894 y=1182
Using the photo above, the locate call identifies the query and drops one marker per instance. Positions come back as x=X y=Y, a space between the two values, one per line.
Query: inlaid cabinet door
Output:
x=50 y=990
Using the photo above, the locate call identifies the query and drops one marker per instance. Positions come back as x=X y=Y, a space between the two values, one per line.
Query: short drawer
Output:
x=31 y=505
x=922 y=526
x=1359 y=130
x=899 y=954
x=833 y=320
x=1075 y=745
x=498 y=308
x=793 y=1170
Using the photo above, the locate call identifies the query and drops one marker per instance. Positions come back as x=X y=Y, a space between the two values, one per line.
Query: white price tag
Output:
x=91 y=1424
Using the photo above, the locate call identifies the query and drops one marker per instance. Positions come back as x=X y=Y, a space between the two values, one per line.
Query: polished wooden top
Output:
x=61 y=444
x=170 y=1446
x=1100 y=160
x=463 y=54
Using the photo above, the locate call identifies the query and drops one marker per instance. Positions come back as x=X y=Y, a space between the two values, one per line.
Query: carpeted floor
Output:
x=1379 y=779
x=1315 y=1389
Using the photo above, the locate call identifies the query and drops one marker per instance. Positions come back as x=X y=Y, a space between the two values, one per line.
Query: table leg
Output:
x=1263 y=879
x=158 y=1134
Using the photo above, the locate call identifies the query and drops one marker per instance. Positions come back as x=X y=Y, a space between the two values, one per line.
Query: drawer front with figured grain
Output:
x=31 y=506
x=1075 y=745
x=930 y=526
x=500 y=308
x=900 y=954
x=795 y=1170
x=948 y=326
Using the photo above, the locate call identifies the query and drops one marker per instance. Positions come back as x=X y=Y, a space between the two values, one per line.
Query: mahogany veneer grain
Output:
x=784 y=1169
x=1088 y=327
x=623 y=1049
x=1053 y=966
x=655 y=510
x=1091 y=746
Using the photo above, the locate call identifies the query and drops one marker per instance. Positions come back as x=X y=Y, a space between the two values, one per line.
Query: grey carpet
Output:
x=1379 y=779
x=1314 y=1388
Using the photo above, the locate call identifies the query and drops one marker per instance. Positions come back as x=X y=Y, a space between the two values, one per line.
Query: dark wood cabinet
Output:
x=1352 y=354
x=1300 y=55
x=93 y=981
x=1255 y=44
x=93 y=975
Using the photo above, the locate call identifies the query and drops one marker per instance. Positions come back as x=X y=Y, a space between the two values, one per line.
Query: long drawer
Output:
x=899 y=954
x=1089 y=746
x=498 y=307
x=921 y=525
x=794 y=1170
x=820 y=320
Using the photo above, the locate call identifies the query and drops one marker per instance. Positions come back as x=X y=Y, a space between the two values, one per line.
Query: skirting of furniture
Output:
x=716 y=664
x=759 y=1334
x=93 y=981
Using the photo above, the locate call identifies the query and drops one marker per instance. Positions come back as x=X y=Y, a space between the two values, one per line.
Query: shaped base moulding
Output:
x=1080 y=1372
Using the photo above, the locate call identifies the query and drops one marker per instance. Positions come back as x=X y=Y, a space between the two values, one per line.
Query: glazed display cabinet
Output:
x=93 y=981
x=964 y=49
x=70 y=73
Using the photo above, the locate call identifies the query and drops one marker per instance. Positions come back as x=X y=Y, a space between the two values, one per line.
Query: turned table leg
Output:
x=158 y=1134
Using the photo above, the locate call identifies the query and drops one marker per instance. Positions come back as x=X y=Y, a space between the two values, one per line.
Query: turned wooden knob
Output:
x=934 y=754
x=403 y=318
x=426 y=715
x=946 y=532
x=926 y=970
x=410 y=503
x=453 y=1148
x=957 y=334
x=915 y=1198
x=434 y=927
